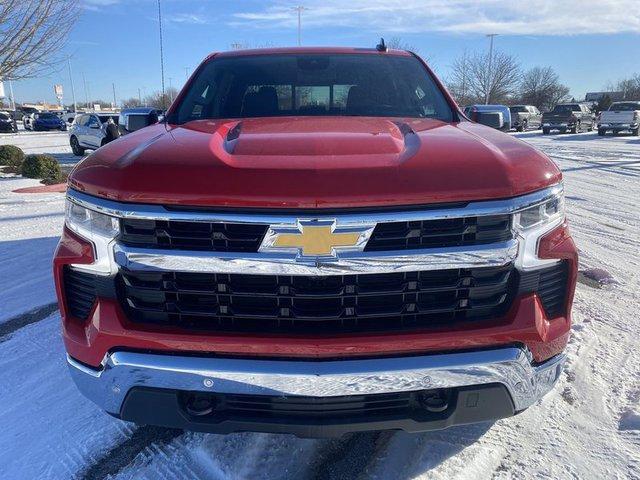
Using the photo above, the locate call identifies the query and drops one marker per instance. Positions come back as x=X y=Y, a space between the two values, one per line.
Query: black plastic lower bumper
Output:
x=317 y=416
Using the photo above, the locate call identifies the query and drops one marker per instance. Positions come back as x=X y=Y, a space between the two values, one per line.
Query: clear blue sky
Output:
x=588 y=43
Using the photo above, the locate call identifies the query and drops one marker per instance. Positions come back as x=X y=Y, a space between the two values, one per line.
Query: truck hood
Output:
x=313 y=162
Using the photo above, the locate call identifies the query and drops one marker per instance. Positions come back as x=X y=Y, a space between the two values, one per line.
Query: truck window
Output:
x=313 y=85
x=624 y=107
x=566 y=109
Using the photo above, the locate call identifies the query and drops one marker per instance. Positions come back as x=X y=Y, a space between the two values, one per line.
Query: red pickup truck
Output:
x=315 y=241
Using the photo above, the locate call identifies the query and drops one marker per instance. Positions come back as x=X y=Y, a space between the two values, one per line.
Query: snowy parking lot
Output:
x=588 y=427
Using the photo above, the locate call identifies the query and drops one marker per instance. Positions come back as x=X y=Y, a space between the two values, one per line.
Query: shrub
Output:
x=40 y=166
x=11 y=156
x=62 y=178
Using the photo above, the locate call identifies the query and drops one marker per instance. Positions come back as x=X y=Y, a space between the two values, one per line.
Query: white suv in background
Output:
x=89 y=131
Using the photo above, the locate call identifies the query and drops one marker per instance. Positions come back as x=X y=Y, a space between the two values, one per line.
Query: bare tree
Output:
x=396 y=43
x=630 y=87
x=540 y=86
x=32 y=32
x=130 y=102
x=472 y=78
x=157 y=100
x=458 y=81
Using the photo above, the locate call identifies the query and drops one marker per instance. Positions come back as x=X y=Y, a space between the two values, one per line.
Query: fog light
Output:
x=199 y=405
x=435 y=401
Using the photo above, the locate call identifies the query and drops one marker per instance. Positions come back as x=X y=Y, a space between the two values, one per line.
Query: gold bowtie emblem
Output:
x=316 y=240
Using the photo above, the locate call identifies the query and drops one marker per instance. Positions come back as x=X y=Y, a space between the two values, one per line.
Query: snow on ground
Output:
x=54 y=143
x=588 y=427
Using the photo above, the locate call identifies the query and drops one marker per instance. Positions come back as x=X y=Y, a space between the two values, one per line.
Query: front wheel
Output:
x=602 y=132
x=545 y=131
x=576 y=128
x=636 y=132
x=75 y=147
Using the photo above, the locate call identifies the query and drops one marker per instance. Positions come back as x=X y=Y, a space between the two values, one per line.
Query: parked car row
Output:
x=502 y=117
x=43 y=121
x=7 y=124
x=90 y=131
x=572 y=117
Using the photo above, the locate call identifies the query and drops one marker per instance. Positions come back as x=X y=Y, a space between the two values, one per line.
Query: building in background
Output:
x=595 y=97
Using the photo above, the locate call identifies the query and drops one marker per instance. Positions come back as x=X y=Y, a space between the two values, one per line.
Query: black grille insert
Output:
x=451 y=232
x=242 y=406
x=80 y=292
x=332 y=304
x=219 y=237
x=551 y=286
x=238 y=237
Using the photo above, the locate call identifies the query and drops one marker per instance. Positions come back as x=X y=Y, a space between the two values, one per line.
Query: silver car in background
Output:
x=494 y=116
x=89 y=131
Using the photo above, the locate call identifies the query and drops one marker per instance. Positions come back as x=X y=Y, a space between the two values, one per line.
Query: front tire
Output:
x=545 y=131
x=636 y=132
x=602 y=132
x=75 y=147
x=576 y=128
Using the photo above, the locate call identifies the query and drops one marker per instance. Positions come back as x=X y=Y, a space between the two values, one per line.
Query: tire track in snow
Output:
x=20 y=321
x=124 y=453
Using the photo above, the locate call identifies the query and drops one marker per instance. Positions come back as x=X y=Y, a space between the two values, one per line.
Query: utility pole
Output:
x=13 y=99
x=86 y=94
x=139 y=98
x=300 y=9
x=170 y=90
x=113 y=86
x=73 y=91
x=487 y=87
x=161 y=54
x=186 y=73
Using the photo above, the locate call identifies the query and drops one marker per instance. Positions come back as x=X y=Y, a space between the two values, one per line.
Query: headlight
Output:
x=96 y=227
x=534 y=222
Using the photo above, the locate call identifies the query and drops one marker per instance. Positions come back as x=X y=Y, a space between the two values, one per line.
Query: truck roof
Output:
x=308 y=50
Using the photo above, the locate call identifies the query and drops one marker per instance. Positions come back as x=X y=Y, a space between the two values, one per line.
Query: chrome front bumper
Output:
x=122 y=371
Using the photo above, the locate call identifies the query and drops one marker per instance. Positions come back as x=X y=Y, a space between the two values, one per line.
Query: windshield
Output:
x=313 y=85
x=47 y=116
x=625 y=107
x=566 y=108
x=518 y=109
